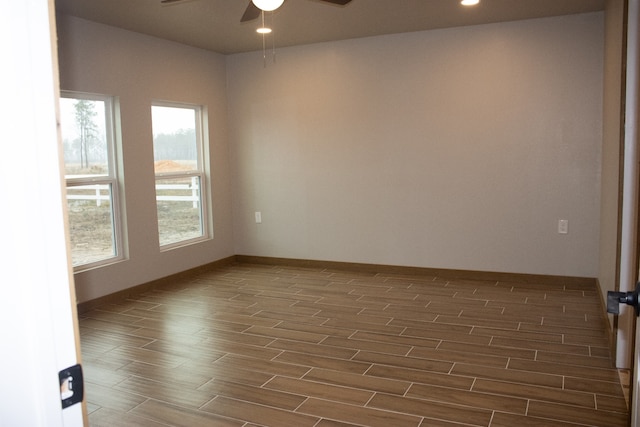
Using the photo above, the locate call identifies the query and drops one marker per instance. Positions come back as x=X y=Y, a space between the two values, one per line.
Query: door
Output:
x=38 y=324
x=632 y=140
x=628 y=330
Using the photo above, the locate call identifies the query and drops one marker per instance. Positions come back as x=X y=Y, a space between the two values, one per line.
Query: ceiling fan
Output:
x=252 y=11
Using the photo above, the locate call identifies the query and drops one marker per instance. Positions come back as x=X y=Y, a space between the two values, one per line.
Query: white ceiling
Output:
x=215 y=24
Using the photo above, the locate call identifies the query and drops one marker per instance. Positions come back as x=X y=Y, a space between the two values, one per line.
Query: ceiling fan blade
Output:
x=251 y=12
x=172 y=2
x=340 y=2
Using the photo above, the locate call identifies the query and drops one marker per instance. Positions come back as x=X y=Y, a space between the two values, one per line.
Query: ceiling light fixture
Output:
x=268 y=5
x=467 y=2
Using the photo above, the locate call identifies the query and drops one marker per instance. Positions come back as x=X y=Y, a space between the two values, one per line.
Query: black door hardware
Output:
x=614 y=299
x=71 y=386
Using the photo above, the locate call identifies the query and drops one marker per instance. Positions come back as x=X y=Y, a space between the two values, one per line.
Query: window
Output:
x=179 y=170
x=87 y=126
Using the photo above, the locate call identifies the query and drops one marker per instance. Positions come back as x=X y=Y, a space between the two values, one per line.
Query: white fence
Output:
x=98 y=190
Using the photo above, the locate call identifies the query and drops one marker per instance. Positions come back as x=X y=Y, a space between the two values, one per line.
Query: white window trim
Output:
x=112 y=179
x=202 y=173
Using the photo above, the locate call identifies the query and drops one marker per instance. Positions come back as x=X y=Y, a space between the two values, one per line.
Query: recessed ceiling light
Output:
x=263 y=30
x=469 y=2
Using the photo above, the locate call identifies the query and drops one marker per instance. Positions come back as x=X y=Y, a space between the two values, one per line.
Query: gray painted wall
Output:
x=457 y=148
x=139 y=69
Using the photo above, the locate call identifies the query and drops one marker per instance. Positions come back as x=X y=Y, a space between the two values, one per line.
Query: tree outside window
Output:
x=90 y=174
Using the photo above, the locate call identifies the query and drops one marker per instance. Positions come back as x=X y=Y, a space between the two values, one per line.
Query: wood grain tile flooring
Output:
x=250 y=345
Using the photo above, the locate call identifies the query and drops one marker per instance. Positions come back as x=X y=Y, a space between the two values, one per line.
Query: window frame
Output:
x=111 y=179
x=201 y=172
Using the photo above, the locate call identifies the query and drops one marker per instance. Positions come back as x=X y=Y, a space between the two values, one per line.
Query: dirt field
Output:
x=90 y=224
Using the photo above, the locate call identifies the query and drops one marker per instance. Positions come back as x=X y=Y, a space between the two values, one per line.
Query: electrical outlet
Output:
x=563 y=226
x=258 y=217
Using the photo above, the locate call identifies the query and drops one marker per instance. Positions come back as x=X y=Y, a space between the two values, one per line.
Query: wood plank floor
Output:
x=249 y=345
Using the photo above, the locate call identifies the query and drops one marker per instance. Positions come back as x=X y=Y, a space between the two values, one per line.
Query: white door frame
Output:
x=632 y=111
x=628 y=341
x=628 y=255
x=37 y=308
